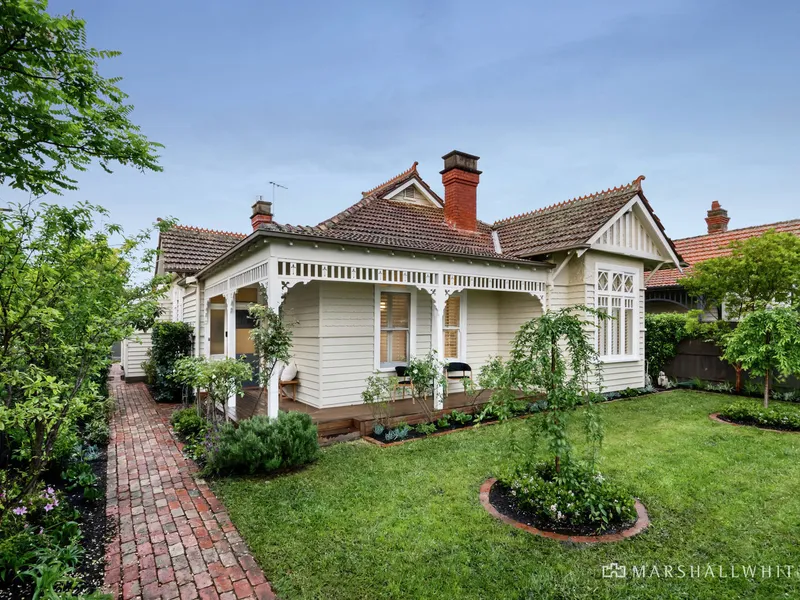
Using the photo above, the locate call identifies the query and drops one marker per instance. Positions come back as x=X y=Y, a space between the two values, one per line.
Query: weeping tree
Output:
x=767 y=342
x=272 y=341
x=554 y=354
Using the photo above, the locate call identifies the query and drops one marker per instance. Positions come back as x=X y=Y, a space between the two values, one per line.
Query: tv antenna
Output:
x=276 y=185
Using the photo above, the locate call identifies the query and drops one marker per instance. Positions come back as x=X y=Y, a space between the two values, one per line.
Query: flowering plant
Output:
x=575 y=496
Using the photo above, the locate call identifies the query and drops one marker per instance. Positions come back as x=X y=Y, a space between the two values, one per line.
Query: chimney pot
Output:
x=460 y=178
x=262 y=213
x=717 y=219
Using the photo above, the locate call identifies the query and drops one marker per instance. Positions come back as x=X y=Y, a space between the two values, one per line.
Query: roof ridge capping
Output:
x=212 y=231
x=635 y=185
x=411 y=169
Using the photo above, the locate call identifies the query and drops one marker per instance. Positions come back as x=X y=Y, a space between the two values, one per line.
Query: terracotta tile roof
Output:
x=188 y=249
x=564 y=225
x=398 y=224
x=702 y=247
x=374 y=220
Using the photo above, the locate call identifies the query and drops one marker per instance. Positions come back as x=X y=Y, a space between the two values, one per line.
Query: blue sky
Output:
x=332 y=98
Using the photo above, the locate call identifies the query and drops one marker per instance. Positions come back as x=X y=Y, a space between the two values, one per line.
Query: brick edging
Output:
x=715 y=417
x=642 y=522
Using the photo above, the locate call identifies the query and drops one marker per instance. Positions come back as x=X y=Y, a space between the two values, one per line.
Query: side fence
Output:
x=700 y=359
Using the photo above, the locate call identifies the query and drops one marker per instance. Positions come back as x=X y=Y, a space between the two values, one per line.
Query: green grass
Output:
x=405 y=522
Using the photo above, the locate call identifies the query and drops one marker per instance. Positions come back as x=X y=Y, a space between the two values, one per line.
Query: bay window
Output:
x=616 y=296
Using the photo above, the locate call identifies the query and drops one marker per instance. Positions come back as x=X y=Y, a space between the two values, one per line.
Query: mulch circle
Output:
x=642 y=522
x=718 y=419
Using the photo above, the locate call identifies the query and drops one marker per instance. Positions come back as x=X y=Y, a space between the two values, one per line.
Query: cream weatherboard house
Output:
x=404 y=271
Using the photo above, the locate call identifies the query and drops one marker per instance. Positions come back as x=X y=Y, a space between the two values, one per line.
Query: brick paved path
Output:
x=175 y=539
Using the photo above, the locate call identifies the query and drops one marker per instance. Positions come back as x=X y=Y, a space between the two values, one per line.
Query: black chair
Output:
x=403 y=381
x=458 y=370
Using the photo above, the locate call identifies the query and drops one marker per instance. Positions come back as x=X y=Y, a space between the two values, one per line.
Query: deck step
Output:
x=336 y=427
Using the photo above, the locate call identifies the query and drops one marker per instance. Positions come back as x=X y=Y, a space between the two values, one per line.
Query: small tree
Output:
x=272 y=340
x=379 y=396
x=220 y=379
x=555 y=354
x=426 y=375
x=768 y=342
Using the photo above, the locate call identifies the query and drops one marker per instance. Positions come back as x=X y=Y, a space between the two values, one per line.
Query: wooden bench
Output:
x=284 y=387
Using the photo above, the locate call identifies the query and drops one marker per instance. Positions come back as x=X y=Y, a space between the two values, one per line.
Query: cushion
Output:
x=289 y=372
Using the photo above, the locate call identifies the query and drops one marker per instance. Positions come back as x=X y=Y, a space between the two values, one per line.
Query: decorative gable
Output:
x=629 y=233
x=413 y=192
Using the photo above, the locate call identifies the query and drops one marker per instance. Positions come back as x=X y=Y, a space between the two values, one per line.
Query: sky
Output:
x=558 y=99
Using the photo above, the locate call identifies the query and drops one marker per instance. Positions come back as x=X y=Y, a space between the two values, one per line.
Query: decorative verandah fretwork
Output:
x=278 y=275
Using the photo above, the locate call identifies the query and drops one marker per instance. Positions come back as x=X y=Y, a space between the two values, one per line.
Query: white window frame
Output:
x=635 y=355
x=412 y=324
x=462 y=329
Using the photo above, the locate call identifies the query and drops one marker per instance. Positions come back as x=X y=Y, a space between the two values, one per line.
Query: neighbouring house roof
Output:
x=187 y=249
x=712 y=245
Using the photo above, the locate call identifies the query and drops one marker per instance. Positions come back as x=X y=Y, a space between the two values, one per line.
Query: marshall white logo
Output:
x=708 y=571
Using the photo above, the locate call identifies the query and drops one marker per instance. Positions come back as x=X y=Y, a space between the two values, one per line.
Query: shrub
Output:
x=443 y=422
x=149 y=368
x=97 y=431
x=775 y=417
x=188 y=423
x=399 y=432
x=171 y=341
x=425 y=428
x=663 y=333
x=575 y=496
x=261 y=444
x=461 y=418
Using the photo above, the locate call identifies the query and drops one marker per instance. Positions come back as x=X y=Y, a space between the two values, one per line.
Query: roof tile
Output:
x=712 y=245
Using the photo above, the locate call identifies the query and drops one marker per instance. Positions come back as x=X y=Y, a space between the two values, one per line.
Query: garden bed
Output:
x=498 y=500
x=776 y=429
x=532 y=408
x=95 y=528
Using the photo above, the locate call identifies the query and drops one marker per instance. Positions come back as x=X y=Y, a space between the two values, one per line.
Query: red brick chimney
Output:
x=717 y=219
x=262 y=213
x=460 y=177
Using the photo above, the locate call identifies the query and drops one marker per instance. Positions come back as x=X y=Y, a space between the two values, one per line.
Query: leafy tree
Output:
x=56 y=111
x=272 y=340
x=759 y=272
x=220 y=379
x=768 y=342
x=65 y=297
x=555 y=354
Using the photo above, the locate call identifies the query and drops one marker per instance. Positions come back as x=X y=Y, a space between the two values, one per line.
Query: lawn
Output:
x=405 y=522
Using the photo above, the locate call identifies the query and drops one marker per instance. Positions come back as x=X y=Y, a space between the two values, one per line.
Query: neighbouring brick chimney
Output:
x=460 y=177
x=262 y=213
x=717 y=219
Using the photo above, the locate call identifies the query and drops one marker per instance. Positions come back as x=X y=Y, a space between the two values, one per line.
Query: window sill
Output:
x=620 y=359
